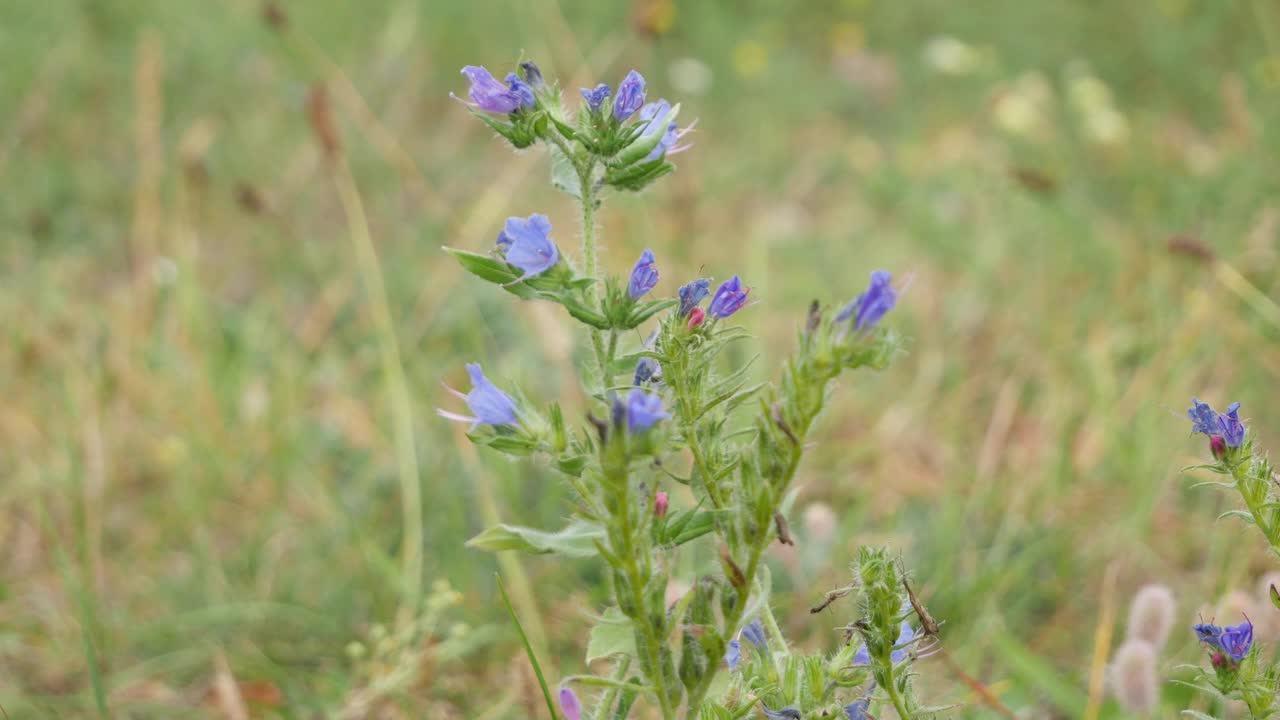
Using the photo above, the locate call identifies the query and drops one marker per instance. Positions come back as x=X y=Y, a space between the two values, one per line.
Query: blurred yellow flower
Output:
x=750 y=58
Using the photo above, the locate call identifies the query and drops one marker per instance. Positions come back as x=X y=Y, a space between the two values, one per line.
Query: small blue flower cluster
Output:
x=1225 y=428
x=1234 y=640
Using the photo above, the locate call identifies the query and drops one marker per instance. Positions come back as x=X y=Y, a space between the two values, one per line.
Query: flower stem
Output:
x=588 y=202
x=894 y=696
x=610 y=697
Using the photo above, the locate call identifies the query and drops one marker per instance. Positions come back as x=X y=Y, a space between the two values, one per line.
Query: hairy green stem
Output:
x=610 y=697
x=588 y=202
x=890 y=688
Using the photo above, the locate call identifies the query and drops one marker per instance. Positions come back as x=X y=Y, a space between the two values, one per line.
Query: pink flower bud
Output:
x=696 y=316
x=1218 y=446
x=660 y=502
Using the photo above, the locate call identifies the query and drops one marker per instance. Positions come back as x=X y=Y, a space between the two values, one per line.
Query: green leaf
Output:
x=691 y=527
x=583 y=313
x=1246 y=517
x=528 y=650
x=576 y=540
x=644 y=311
x=614 y=634
x=637 y=177
x=494 y=270
x=563 y=173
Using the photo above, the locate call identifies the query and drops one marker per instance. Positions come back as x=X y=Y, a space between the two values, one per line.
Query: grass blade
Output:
x=528 y=649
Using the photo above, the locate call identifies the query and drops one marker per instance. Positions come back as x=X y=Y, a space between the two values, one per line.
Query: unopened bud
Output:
x=1133 y=677
x=1217 y=446
x=660 y=502
x=696 y=316
x=1218 y=660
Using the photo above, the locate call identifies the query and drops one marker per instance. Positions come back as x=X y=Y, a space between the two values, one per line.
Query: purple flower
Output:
x=733 y=654
x=905 y=635
x=643 y=276
x=1237 y=639
x=729 y=298
x=786 y=713
x=526 y=243
x=492 y=96
x=691 y=295
x=1208 y=633
x=870 y=306
x=643 y=410
x=630 y=96
x=1232 y=429
x=490 y=405
x=595 y=98
x=754 y=633
x=569 y=705
x=671 y=134
x=1228 y=425
x=1203 y=418
x=858 y=709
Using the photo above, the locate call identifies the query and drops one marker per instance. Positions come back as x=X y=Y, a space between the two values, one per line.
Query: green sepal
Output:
x=638 y=177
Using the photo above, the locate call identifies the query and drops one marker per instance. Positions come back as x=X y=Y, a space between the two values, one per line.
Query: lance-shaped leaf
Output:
x=576 y=540
x=614 y=634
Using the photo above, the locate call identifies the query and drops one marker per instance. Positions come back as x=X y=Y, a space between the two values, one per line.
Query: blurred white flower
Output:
x=950 y=56
x=1023 y=109
x=690 y=76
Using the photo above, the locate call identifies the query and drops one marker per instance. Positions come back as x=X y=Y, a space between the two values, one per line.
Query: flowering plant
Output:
x=676 y=419
x=1239 y=671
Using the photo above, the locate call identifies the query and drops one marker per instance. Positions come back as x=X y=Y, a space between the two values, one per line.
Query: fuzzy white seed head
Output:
x=1151 y=615
x=1133 y=677
x=820 y=521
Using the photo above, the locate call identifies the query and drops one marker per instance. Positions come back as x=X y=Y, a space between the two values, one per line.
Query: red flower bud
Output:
x=1218 y=660
x=696 y=316
x=660 y=505
x=1217 y=446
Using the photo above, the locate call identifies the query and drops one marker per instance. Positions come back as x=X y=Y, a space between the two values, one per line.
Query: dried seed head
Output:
x=820 y=521
x=1151 y=615
x=1133 y=677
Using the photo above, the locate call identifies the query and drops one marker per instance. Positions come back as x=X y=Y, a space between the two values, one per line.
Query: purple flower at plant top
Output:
x=1232 y=429
x=643 y=410
x=905 y=635
x=1208 y=633
x=569 y=705
x=1236 y=640
x=526 y=243
x=729 y=298
x=867 y=309
x=786 y=713
x=858 y=710
x=692 y=294
x=630 y=96
x=492 y=96
x=733 y=654
x=643 y=276
x=671 y=134
x=1203 y=418
x=595 y=98
x=489 y=405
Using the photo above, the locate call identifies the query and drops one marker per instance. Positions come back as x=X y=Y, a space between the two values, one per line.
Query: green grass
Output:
x=199 y=451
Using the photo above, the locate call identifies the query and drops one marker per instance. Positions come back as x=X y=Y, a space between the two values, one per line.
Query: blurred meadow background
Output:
x=203 y=454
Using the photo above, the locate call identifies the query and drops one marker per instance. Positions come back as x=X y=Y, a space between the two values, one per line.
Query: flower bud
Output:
x=1218 y=446
x=569 y=705
x=1133 y=677
x=696 y=316
x=660 y=501
x=1151 y=615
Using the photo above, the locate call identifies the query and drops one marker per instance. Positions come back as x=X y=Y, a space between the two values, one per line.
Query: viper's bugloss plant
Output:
x=1239 y=668
x=677 y=418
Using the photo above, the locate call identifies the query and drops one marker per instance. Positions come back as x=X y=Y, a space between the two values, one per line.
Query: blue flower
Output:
x=643 y=410
x=729 y=298
x=754 y=633
x=1203 y=418
x=905 y=635
x=492 y=96
x=526 y=243
x=671 y=134
x=533 y=75
x=870 y=306
x=691 y=295
x=733 y=654
x=645 y=369
x=522 y=90
x=858 y=709
x=643 y=276
x=630 y=96
x=595 y=98
x=1208 y=634
x=1232 y=429
x=490 y=405
x=1237 y=639
x=786 y=713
